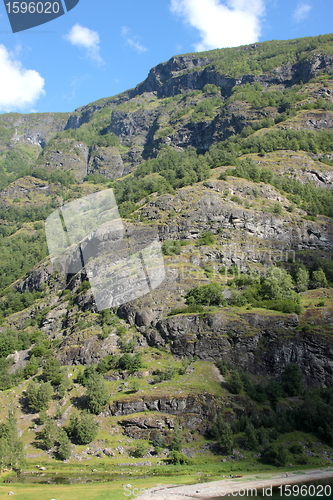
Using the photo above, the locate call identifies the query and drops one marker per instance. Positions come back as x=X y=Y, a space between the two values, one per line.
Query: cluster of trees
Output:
x=53 y=378
x=89 y=133
x=260 y=430
x=82 y=429
x=315 y=200
x=259 y=97
x=290 y=384
x=53 y=436
x=267 y=56
x=18 y=254
x=63 y=177
x=171 y=170
x=12 y=340
x=13 y=165
x=276 y=289
x=14 y=301
x=26 y=213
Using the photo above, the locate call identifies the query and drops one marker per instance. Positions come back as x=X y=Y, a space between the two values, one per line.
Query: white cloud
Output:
x=302 y=12
x=87 y=39
x=19 y=87
x=227 y=24
x=132 y=41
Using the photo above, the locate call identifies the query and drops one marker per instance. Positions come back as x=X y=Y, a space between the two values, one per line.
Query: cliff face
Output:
x=260 y=344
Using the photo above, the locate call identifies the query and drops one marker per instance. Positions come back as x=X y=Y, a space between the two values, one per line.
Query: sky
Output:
x=103 y=47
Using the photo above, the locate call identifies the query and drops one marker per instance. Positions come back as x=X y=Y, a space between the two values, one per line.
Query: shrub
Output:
x=207 y=295
x=207 y=238
x=140 y=450
x=177 y=458
x=172 y=247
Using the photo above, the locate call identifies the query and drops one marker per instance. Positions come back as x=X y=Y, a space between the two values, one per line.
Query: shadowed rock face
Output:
x=260 y=344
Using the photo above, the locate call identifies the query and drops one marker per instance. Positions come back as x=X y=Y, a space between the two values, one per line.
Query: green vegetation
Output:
x=11 y=447
x=97 y=395
x=262 y=417
x=315 y=200
x=264 y=57
x=206 y=295
x=171 y=170
x=82 y=429
x=39 y=395
x=257 y=430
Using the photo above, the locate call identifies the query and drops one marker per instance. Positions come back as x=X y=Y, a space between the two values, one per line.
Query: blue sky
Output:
x=103 y=47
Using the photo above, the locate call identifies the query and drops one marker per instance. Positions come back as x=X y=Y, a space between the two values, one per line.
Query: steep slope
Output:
x=228 y=156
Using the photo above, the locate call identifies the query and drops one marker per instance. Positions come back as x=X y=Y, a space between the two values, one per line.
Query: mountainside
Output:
x=228 y=155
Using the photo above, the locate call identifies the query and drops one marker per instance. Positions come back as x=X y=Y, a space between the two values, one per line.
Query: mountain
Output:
x=227 y=155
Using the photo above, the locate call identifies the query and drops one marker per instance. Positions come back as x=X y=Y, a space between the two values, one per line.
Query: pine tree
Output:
x=319 y=279
x=64 y=445
x=226 y=441
x=222 y=432
x=251 y=439
x=97 y=394
x=177 y=439
x=48 y=433
x=11 y=448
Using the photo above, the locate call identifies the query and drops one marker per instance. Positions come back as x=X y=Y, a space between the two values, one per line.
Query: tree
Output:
x=222 y=432
x=319 y=279
x=277 y=284
x=48 y=434
x=276 y=454
x=292 y=379
x=39 y=395
x=52 y=371
x=64 y=445
x=235 y=382
x=177 y=439
x=158 y=441
x=82 y=429
x=11 y=448
x=302 y=279
x=251 y=439
x=97 y=394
